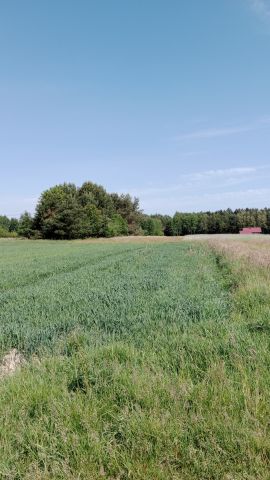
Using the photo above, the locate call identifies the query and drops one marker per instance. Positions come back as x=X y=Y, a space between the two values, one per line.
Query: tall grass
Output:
x=151 y=364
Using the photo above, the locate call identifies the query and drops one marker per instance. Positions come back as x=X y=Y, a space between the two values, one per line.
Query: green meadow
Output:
x=143 y=360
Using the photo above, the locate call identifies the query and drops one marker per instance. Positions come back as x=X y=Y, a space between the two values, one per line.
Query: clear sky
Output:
x=166 y=99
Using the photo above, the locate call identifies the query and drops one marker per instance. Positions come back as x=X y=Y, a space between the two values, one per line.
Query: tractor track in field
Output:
x=52 y=274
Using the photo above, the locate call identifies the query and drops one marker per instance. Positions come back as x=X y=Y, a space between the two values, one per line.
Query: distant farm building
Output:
x=250 y=230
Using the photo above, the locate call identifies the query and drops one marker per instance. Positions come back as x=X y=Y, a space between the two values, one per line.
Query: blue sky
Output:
x=166 y=99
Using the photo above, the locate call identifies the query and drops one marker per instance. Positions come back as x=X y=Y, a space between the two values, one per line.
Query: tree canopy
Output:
x=66 y=211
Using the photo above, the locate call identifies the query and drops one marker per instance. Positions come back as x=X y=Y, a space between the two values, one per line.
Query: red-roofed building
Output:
x=250 y=230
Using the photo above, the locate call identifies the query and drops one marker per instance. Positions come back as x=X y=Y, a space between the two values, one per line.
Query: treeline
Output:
x=69 y=212
x=222 y=221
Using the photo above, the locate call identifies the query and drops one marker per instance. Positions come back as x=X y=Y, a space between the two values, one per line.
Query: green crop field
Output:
x=142 y=360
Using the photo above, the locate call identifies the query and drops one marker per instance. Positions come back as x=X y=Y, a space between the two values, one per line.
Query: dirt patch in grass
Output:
x=11 y=362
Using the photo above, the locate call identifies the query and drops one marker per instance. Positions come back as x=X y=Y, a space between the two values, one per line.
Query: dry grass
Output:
x=132 y=239
x=254 y=249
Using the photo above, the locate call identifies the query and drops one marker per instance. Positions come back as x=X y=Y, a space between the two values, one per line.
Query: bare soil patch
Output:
x=11 y=362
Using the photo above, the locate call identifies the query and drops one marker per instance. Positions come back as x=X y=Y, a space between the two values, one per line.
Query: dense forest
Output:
x=69 y=212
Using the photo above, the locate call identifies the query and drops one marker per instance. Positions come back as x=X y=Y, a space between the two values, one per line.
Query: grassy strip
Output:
x=171 y=382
